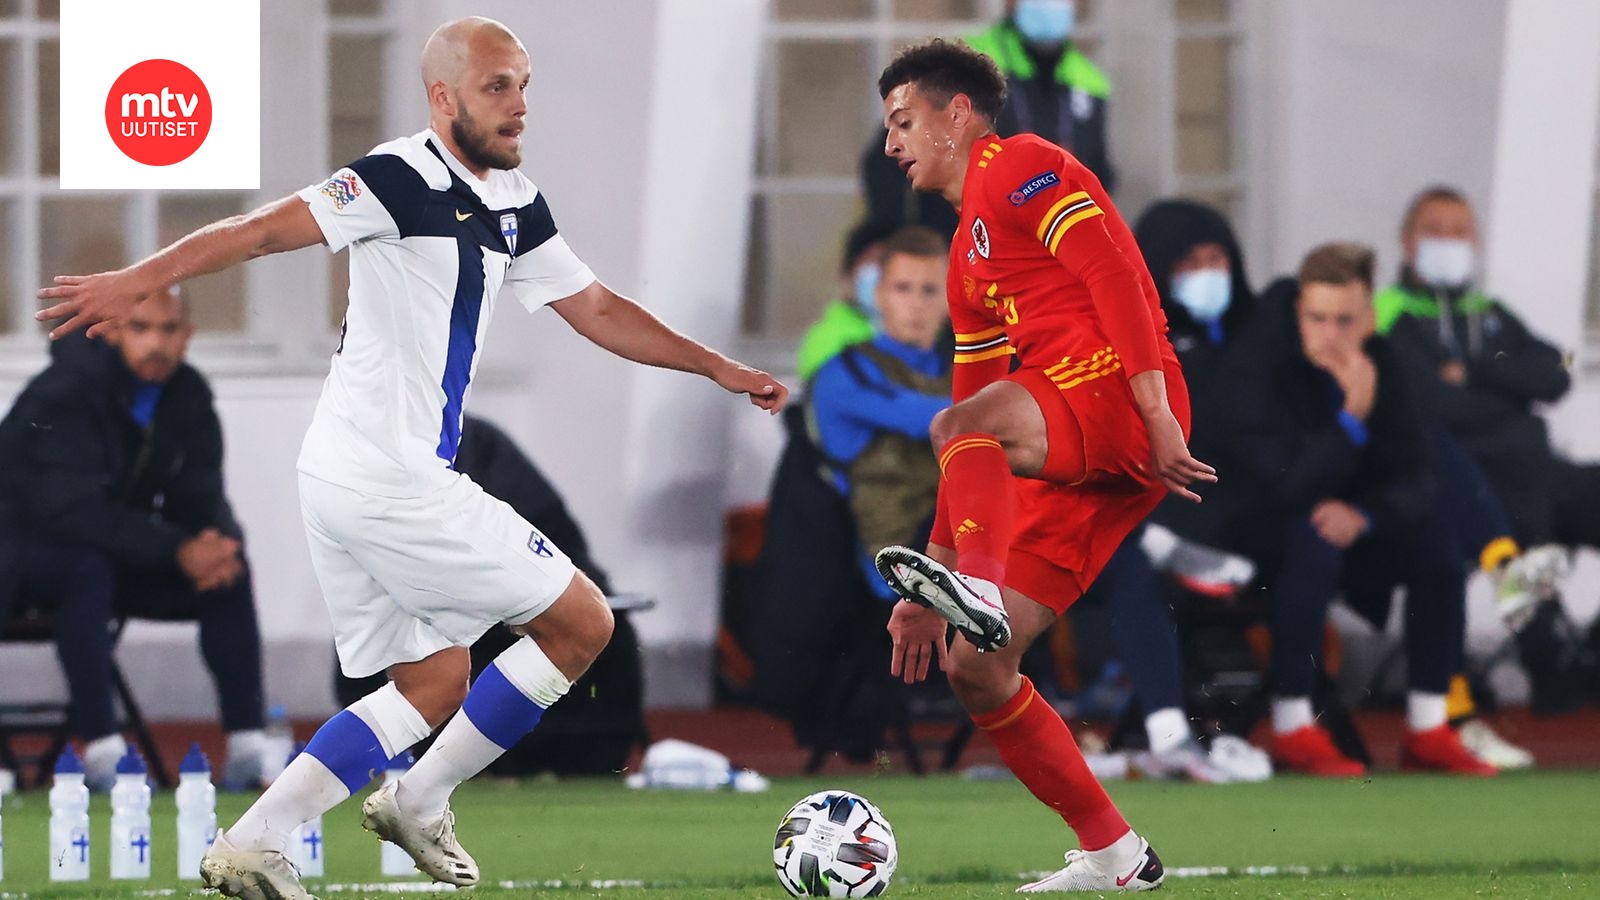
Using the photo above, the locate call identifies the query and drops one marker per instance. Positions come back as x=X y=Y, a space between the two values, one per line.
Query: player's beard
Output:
x=474 y=142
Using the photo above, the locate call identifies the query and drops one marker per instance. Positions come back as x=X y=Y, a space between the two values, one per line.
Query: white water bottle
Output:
x=130 y=819
x=197 y=812
x=277 y=744
x=305 y=842
x=69 y=820
x=393 y=860
x=2 y=844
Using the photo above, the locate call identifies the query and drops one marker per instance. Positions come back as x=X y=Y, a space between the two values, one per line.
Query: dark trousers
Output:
x=86 y=592
x=1303 y=574
x=1466 y=502
x=1143 y=628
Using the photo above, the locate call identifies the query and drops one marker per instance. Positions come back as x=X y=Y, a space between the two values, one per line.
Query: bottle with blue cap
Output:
x=277 y=743
x=305 y=842
x=130 y=818
x=197 y=811
x=69 y=820
x=393 y=860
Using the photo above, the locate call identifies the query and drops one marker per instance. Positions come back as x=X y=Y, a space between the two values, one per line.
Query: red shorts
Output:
x=1096 y=486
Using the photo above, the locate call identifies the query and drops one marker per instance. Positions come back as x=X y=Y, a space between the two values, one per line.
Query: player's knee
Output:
x=976 y=682
x=946 y=424
x=437 y=690
x=597 y=627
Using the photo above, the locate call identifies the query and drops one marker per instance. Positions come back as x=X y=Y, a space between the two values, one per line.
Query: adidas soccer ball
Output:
x=834 y=844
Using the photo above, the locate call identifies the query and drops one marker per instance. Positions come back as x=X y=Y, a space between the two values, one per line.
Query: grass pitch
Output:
x=1530 y=835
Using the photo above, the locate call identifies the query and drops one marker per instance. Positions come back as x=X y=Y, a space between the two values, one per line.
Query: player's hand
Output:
x=764 y=390
x=96 y=301
x=918 y=635
x=1170 y=459
x=1339 y=523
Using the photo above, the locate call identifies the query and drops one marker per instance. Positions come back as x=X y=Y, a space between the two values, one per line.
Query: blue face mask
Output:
x=867 y=293
x=1045 y=21
x=1205 y=293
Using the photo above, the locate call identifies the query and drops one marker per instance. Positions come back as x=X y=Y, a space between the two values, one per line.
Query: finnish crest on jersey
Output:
x=536 y=541
x=508 y=230
x=980 y=237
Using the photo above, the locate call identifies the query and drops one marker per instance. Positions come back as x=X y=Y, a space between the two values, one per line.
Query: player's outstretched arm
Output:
x=630 y=331
x=98 y=300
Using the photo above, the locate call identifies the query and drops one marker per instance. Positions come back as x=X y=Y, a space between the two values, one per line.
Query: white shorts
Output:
x=405 y=578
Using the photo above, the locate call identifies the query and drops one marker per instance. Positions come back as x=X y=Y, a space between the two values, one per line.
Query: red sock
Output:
x=1038 y=748
x=976 y=485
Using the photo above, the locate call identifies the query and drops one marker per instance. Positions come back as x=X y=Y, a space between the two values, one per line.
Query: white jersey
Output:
x=431 y=246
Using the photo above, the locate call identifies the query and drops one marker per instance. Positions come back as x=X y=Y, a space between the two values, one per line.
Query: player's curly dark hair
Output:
x=942 y=69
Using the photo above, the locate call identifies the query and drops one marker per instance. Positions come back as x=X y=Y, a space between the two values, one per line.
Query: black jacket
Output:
x=75 y=466
x=1284 y=449
x=1166 y=233
x=1508 y=371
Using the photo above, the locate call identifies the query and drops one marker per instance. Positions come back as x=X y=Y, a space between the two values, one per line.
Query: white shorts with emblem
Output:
x=406 y=577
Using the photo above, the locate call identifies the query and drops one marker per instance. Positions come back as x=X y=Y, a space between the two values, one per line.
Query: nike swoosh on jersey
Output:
x=462 y=216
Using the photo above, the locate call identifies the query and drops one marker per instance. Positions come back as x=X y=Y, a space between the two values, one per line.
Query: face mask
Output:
x=1045 y=21
x=867 y=293
x=1445 y=262
x=1205 y=293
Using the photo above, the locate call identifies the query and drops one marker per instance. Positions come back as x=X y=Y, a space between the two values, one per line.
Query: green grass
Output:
x=1529 y=835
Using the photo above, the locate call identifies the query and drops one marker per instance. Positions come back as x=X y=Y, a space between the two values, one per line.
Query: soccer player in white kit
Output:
x=414 y=559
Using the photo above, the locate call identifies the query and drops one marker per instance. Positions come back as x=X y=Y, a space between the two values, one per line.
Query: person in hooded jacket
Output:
x=1198 y=268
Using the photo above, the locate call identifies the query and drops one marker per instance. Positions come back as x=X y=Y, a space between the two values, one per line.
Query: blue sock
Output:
x=350 y=749
x=499 y=710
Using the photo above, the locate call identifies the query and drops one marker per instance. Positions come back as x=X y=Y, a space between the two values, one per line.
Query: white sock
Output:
x=462 y=749
x=1167 y=729
x=1290 y=714
x=304 y=790
x=100 y=756
x=1119 y=856
x=1424 y=711
x=249 y=744
x=308 y=788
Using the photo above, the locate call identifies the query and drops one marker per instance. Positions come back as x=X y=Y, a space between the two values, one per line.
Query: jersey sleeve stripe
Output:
x=1055 y=210
x=1082 y=213
x=980 y=356
x=535 y=225
x=398 y=186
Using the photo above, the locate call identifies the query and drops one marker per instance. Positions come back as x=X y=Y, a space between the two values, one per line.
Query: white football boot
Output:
x=250 y=874
x=1488 y=746
x=432 y=845
x=1521 y=584
x=972 y=605
x=1081 y=874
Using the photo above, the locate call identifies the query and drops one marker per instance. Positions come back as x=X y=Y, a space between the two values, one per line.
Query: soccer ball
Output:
x=834 y=844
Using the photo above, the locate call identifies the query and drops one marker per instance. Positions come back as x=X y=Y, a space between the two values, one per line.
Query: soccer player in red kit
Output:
x=1047 y=466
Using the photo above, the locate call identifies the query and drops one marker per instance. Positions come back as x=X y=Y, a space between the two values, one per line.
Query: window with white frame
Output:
x=820 y=107
x=52 y=231
x=360 y=48
x=1208 y=167
x=60 y=232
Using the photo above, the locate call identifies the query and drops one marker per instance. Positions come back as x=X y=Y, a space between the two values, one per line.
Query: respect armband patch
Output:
x=1026 y=190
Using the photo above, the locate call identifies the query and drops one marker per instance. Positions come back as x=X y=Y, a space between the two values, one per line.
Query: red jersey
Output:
x=1043 y=266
